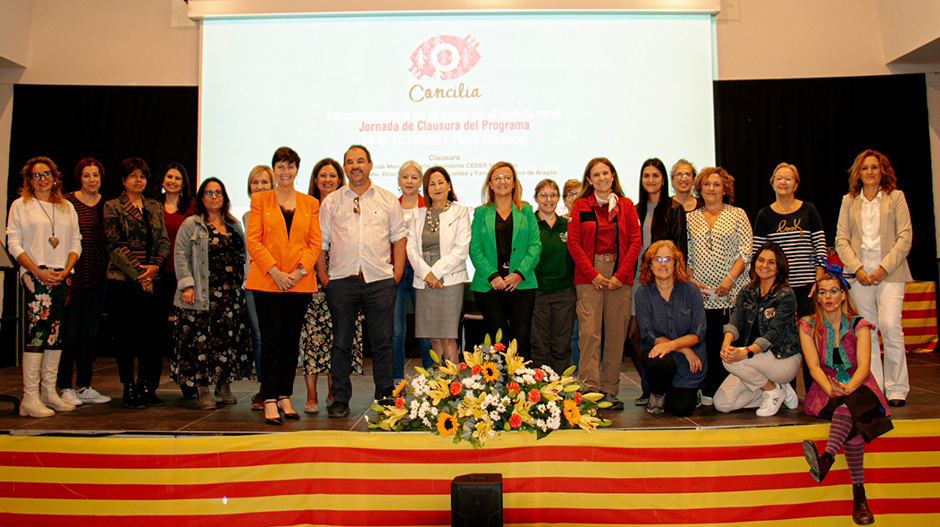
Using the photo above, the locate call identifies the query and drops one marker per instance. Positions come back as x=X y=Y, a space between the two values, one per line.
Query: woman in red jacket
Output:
x=604 y=242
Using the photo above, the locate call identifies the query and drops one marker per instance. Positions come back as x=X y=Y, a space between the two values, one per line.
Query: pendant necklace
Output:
x=53 y=241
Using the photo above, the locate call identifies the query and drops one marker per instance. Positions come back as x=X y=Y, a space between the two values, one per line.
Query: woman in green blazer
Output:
x=504 y=249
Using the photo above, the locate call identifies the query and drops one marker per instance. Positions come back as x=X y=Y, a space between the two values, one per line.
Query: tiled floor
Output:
x=182 y=417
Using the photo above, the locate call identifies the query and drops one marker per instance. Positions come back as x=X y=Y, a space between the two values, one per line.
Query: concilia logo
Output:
x=444 y=58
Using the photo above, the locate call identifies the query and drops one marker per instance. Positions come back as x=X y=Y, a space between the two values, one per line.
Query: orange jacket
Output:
x=269 y=243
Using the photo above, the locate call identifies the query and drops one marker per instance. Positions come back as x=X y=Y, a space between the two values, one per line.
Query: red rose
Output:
x=400 y=403
x=577 y=398
x=499 y=346
x=462 y=366
x=514 y=387
x=534 y=396
x=538 y=375
x=455 y=388
x=515 y=421
x=476 y=369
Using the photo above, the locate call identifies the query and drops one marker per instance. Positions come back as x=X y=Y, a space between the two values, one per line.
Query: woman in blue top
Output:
x=671 y=317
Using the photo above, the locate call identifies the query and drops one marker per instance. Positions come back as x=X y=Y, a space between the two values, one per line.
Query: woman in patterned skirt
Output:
x=316 y=337
x=213 y=340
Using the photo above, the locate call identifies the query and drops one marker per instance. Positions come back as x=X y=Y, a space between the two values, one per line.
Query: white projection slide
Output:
x=544 y=92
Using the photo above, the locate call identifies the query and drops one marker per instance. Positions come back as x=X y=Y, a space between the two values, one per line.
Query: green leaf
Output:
x=377 y=408
x=422 y=371
x=570 y=371
x=605 y=422
x=487 y=341
x=499 y=335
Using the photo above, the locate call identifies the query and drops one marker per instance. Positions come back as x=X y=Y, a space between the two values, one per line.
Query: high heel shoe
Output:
x=272 y=420
x=287 y=415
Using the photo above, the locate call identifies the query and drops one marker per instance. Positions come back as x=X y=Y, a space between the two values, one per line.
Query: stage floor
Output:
x=179 y=417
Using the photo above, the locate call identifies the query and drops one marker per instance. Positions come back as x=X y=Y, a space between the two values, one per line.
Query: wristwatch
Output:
x=303 y=272
x=750 y=354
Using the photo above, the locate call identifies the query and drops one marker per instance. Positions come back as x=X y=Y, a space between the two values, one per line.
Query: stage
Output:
x=104 y=465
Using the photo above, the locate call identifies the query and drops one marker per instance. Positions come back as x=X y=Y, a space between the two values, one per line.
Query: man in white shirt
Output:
x=362 y=226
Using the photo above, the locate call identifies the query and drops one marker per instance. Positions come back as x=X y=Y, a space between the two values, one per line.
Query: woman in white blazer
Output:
x=873 y=240
x=438 y=245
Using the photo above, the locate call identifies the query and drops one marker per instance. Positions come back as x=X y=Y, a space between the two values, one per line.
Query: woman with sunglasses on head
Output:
x=671 y=318
x=44 y=237
x=873 y=239
x=836 y=344
x=211 y=333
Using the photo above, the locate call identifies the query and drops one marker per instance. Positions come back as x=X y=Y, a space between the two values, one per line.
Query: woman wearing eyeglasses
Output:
x=284 y=243
x=44 y=238
x=671 y=318
x=761 y=349
x=553 y=316
x=683 y=179
x=504 y=249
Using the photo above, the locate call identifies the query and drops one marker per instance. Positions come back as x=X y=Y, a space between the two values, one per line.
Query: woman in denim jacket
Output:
x=764 y=315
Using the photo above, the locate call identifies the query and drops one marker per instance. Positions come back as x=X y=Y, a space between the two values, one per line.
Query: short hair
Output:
x=131 y=164
x=409 y=164
x=26 y=191
x=783 y=266
x=287 y=154
x=259 y=170
x=546 y=183
x=314 y=189
x=587 y=188
x=364 y=149
x=656 y=163
x=679 y=273
x=426 y=180
x=726 y=181
x=87 y=162
x=186 y=197
x=570 y=185
x=796 y=173
x=677 y=164
x=889 y=181
x=489 y=196
x=226 y=203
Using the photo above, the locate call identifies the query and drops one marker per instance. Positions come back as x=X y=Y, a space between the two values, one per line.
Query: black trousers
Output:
x=345 y=298
x=281 y=318
x=136 y=320
x=80 y=328
x=511 y=312
x=714 y=336
x=660 y=373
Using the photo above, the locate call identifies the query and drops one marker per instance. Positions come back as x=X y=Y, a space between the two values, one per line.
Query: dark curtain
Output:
x=820 y=125
x=109 y=123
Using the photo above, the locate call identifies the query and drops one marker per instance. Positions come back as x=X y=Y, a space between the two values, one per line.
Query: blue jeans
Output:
x=406 y=290
x=255 y=331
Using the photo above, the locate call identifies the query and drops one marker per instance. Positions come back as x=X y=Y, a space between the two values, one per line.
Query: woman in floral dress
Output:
x=316 y=337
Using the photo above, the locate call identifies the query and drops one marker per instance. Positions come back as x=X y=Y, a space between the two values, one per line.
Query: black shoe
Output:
x=861 y=514
x=338 y=409
x=642 y=400
x=189 y=393
x=132 y=398
x=276 y=421
x=149 y=391
x=897 y=403
x=287 y=415
x=819 y=465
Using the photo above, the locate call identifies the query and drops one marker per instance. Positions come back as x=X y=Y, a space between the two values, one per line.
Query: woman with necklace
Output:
x=137 y=244
x=836 y=345
x=761 y=349
x=87 y=289
x=873 y=238
x=719 y=250
x=683 y=179
x=553 y=317
x=504 y=249
x=211 y=333
x=284 y=243
x=438 y=245
x=604 y=242
x=44 y=238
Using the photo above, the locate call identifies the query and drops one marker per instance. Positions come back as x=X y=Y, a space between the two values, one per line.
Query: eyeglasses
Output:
x=42 y=175
x=502 y=179
x=571 y=195
x=782 y=179
x=829 y=292
x=546 y=195
x=356 y=205
x=213 y=193
x=663 y=259
x=683 y=175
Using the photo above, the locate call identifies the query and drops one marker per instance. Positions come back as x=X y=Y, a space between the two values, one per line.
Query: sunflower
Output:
x=446 y=424
x=401 y=386
x=490 y=372
x=572 y=412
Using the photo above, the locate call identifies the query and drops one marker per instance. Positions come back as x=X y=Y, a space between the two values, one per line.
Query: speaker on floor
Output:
x=476 y=500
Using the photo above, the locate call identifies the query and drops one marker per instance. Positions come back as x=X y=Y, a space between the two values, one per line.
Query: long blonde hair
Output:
x=26 y=190
x=489 y=196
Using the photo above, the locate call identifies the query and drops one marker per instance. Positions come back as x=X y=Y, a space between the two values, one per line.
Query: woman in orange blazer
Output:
x=284 y=243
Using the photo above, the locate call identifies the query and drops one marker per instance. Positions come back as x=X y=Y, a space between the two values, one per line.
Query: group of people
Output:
x=712 y=309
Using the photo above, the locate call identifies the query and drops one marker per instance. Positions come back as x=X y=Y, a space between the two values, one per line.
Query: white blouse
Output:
x=713 y=252
x=30 y=228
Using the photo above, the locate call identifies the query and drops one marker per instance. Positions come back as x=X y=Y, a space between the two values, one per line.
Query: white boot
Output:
x=31 y=406
x=50 y=372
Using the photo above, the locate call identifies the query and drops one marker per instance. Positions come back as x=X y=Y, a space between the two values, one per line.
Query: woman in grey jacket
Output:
x=211 y=333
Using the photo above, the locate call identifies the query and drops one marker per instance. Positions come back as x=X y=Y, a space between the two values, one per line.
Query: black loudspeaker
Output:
x=476 y=500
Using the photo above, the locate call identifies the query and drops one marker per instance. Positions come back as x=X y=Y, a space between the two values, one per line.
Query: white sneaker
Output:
x=70 y=396
x=790 y=399
x=708 y=401
x=91 y=396
x=770 y=402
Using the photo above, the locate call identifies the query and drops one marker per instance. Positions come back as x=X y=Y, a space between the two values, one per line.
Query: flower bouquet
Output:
x=492 y=391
